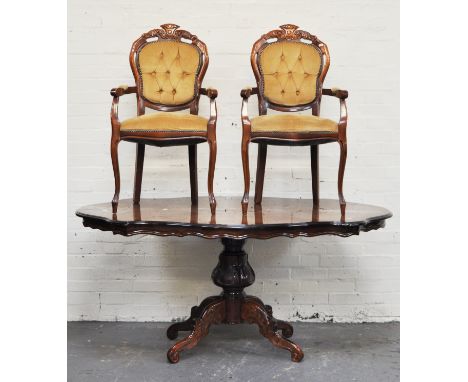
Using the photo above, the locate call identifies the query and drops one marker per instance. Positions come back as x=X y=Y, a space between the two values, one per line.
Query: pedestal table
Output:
x=274 y=217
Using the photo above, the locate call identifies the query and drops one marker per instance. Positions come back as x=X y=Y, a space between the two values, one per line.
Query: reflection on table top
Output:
x=283 y=216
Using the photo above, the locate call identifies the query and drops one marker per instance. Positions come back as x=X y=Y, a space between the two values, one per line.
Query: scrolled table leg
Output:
x=286 y=328
x=184 y=326
x=255 y=313
x=213 y=313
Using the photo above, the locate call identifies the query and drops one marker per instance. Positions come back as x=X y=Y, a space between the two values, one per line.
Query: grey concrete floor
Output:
x=124 y=352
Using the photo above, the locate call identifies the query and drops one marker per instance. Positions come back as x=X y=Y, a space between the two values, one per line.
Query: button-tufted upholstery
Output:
x=287 y=123
x=165 y=122
x=290 y=71
x=168 y=71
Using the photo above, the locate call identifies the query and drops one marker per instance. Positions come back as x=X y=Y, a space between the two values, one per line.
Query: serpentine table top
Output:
x=274 y=217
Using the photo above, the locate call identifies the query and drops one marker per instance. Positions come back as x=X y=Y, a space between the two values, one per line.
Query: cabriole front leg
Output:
x=115 y=166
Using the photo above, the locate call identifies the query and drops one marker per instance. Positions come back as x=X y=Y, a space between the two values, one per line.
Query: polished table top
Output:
x=274 y=217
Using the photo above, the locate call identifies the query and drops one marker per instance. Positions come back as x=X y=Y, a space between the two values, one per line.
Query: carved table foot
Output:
x=213 y=312
x=286 y=328
x=255 y=312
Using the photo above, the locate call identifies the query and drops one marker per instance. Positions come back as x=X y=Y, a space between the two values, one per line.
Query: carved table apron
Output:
x=274 y=217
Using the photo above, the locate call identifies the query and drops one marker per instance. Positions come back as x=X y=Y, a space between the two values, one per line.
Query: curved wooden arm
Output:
x=247 y=92
x=123 y=89
x=211 y=93
x=335 y=92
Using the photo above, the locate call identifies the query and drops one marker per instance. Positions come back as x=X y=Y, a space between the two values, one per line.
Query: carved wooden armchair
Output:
x=290 y=71
x=168 y=73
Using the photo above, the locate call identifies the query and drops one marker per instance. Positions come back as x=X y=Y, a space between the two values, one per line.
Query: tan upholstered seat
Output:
x=293 y=124
x=165 y=122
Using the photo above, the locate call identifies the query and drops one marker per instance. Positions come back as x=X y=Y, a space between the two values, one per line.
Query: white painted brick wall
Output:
x=150 y=278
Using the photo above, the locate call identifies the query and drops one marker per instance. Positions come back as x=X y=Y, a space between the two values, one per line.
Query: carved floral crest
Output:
x=169 y=31
x=291 y=32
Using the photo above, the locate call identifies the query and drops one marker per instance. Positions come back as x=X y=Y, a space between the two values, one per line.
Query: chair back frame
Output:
x=168 y=32
x=288 y=32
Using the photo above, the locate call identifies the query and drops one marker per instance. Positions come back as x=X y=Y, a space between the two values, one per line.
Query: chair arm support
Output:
x=116 y=93
x=211 y=93
x=246 y=124
x=343 y=115
x=335 y=92
x=342 y=95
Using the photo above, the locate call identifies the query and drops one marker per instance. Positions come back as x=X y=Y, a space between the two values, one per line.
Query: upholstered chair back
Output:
x=168 y=71
x=290 y=70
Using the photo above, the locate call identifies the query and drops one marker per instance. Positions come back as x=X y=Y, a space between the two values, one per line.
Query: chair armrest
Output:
x=123 y=89
x=211 y=93
x=248 y=91
x=335 y=92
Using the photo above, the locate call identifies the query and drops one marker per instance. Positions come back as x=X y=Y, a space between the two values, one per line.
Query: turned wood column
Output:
x=233 y=273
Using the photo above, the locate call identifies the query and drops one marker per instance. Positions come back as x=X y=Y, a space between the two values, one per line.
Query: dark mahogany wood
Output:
x=261 y=162
x=139 y=161
x=192 y=152
x=290 y=32
x=314 y=166
x=273 y=217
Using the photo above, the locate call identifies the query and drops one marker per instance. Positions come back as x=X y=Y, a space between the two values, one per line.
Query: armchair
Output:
x=290 y=72
x=168 y=73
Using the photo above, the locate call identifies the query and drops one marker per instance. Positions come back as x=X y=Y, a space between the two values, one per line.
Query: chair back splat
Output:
x=290 y=66
x=168 y=65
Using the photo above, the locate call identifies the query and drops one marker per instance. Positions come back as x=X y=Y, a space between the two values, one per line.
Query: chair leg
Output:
x=314 y=165
x=341 y=170
x=261 y=160
x=139 y=160
x=192 y=152
x=115 y=166
x=245 y=166
x=211 y=170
